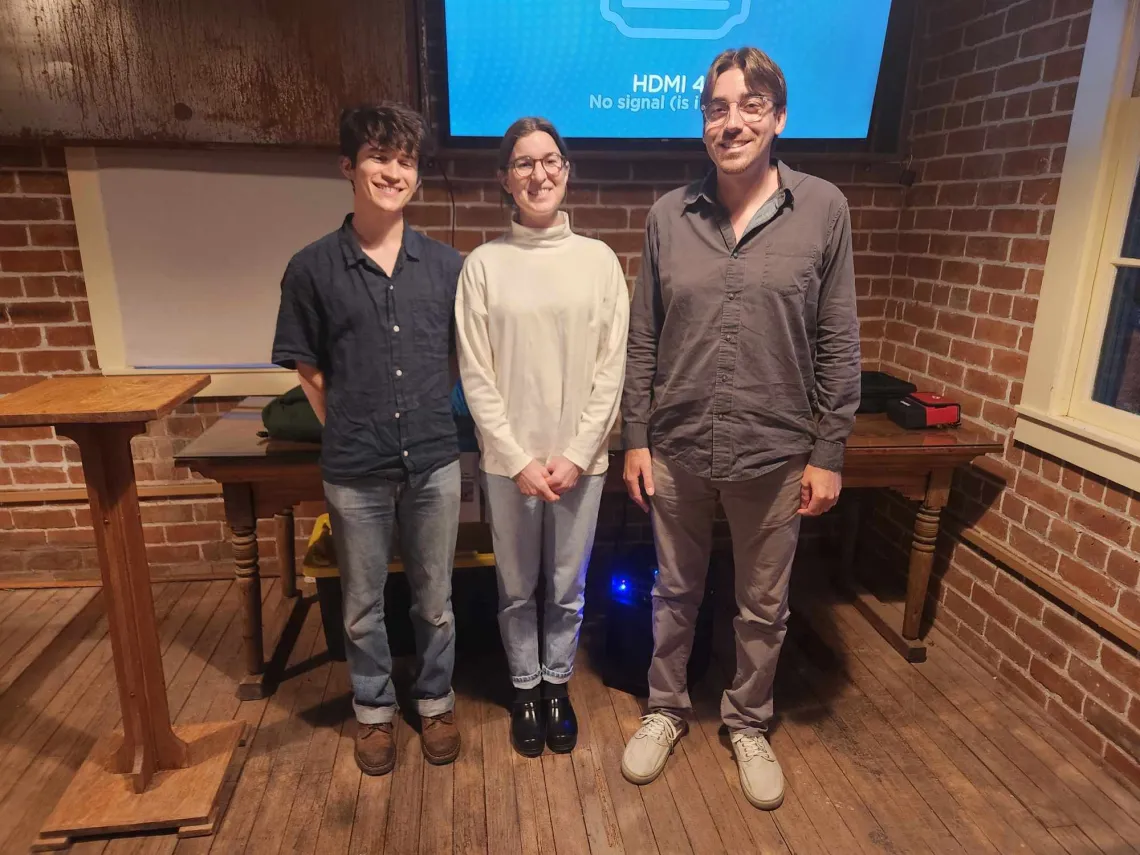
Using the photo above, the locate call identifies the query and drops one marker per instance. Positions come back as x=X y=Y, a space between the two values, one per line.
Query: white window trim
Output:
x=103 y=296
x=1056 y=414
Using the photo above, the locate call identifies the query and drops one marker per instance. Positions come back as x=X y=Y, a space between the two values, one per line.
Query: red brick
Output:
x=1051 y=130
x=1092 y=552
x=425 y=216
x=193 y=532
x=1042 y=643
x=43 y=518
x=31 y=261
x=965 y=611
x=1101 y=521
x=1021 y=682
x=1046 y=39
x=960 y=272
x=1028 y=161
x=38 y=475
x=1099 y=686
x=972 y=354
x=1124 y=567
x=997 y=332
x=173 y=554
x=1062 y=535
x=995 y=607
x=479 y=216
x=1115 y=498
x=986 y=384
x=1009 y=363
x=1018 y=75
x=1028 y=251
x=1024 y=309
x=70 y=336
x=16 y=453
x=1002 y=277
x=22 y=539
x=55 y=312
x=956 y=324
x=1124 y=668
x=999 y=415
x=1043 y=494
x=1037 y=522
x=949 y=372
x=13 y=235
x=934 y=343
x=1058 y=683
x=44 y=183
x=51 y=361
x=1126 y=765
x=1010 y=647
x=970 y=220
x=1063 y=66
x=19 y=338
x=1087 y=580
x=16 y=208
x=1077 y=726
x=48 y=453
x=1033 y=548
x=1129 y=607
x=1040 y=191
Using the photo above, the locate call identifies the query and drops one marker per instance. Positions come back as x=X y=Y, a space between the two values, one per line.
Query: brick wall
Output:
x=994 y=95
x=45 y=329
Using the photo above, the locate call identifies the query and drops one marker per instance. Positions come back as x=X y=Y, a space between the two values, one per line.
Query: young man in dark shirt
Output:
x=742 y=381
x=366 y=320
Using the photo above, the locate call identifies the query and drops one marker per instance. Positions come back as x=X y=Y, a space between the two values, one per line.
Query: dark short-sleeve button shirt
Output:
x=383 y=343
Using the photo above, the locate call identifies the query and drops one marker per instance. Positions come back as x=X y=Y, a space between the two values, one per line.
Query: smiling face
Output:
x=736 y=144
x=535 y=177
x=382 y=178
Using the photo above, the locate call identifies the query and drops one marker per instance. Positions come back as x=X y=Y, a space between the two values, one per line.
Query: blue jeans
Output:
x=533 y=536
x=364 y=515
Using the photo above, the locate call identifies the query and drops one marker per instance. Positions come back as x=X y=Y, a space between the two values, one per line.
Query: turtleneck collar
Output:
x=551 y=236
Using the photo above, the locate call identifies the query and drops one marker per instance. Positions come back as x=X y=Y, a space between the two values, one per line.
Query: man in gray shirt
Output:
x=742 y=381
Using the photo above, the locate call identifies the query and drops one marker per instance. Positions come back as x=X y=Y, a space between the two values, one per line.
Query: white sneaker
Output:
x=760 y=775
x=650 y=747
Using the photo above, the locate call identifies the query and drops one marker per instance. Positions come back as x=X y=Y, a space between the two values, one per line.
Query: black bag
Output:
x=877 y=389
x=290 y=417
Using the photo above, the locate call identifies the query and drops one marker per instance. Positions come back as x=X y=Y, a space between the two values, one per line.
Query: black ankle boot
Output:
x=561 y=723
x=528 y=731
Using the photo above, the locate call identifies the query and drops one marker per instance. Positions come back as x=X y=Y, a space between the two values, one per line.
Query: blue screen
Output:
x=633 y=69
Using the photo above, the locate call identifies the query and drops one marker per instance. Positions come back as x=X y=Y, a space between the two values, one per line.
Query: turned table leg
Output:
x=926 y=527
x=242 y=519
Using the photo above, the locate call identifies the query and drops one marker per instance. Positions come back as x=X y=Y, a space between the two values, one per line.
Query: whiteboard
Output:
x=184 y=250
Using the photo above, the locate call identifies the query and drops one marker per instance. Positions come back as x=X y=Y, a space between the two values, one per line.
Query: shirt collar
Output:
x=704 y=189
x=411 y=247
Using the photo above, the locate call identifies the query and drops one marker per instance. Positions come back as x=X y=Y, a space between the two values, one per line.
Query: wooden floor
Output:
x=880 y=756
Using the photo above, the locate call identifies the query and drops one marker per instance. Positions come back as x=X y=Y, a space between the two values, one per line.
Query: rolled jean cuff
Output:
x=435 y=706
x=556 y=676
x=374 y=715
x=528 y=682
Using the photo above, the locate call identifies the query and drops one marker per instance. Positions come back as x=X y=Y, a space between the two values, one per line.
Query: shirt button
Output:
x=397 y=415
x=399 y=373
x=405 y=454
x=732 y=296
x=396 y=328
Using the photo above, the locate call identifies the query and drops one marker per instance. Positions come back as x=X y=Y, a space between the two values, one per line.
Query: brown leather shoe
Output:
x=440 y=738
x=375 y=748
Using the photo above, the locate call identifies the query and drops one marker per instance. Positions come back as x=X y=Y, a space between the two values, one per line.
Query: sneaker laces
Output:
x=659 y=727
x=753 y=746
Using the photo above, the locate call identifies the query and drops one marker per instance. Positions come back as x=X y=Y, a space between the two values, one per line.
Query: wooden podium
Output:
x=150 y=775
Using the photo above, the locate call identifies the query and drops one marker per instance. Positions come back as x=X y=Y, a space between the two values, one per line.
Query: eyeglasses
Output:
x=752 y=108
x=552 y=165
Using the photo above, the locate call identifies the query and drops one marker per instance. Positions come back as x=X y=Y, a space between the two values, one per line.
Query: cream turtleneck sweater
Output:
x=541 y=322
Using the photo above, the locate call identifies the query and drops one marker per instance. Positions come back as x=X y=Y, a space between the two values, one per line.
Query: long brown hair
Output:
x=761 y=74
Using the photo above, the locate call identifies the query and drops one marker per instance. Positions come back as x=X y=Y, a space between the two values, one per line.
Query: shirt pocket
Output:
x=789 y=269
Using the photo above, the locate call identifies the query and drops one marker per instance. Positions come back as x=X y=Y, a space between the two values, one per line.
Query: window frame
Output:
x=1056 y=413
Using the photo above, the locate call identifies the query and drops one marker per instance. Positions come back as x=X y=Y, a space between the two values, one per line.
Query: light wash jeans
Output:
x=530 y=536
x=364 y=515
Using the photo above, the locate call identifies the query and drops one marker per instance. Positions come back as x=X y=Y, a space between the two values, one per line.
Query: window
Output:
x=1081 y=400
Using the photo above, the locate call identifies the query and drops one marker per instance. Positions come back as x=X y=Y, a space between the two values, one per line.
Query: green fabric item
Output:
x=290 y=417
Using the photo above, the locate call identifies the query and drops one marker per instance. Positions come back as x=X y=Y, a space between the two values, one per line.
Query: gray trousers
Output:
x=531 y=536
x=763 y=519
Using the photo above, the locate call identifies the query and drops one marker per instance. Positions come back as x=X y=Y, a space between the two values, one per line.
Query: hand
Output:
x=532 y=482
x=639 y=470
x=819 y=491
x=562 y=474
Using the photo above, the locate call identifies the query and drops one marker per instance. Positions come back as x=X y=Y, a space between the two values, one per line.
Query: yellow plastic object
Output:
x=320 y=557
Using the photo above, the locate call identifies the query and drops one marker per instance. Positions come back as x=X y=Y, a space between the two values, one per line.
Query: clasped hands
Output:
x=548 y=482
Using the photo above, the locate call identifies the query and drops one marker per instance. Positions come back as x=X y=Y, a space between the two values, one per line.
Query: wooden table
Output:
x=262 y=478
x=151 y=775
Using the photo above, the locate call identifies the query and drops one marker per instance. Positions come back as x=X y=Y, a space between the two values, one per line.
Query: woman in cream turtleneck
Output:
x=541 y=320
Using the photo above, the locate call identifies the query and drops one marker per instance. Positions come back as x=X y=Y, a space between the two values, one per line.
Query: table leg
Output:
x=148 y=744
x=285 y=530
x=242 y=519
x=851 y=511
x=926 y=527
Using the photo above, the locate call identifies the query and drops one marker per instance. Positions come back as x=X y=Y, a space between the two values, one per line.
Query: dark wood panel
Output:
x=199 y=71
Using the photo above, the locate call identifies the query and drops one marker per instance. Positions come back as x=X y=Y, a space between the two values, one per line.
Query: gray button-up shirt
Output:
x=744 y=353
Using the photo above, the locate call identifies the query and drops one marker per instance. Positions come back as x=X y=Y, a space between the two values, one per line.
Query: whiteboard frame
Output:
x=103 y=294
